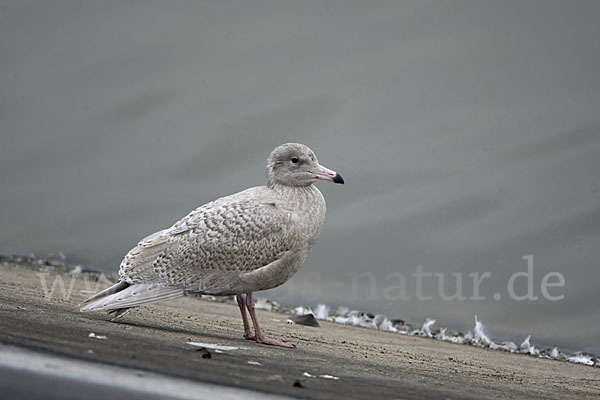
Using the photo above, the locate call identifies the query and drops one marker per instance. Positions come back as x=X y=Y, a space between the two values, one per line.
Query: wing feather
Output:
x=209 y=248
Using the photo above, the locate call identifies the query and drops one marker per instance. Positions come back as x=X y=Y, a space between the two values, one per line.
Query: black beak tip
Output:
x=338 y=179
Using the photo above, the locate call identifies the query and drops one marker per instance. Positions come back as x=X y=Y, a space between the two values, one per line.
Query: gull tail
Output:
x=123 y=296
x=117 y=287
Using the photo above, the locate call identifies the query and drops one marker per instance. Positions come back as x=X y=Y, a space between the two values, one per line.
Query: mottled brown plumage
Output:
x=249 y=241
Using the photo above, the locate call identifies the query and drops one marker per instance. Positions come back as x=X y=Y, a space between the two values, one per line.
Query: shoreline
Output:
x=332 y=360
x=478 y=336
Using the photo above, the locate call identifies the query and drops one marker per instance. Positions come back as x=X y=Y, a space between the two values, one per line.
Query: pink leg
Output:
x=259 y=337
x=242 y=304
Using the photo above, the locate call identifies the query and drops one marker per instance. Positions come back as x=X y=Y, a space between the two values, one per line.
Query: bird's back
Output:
x=211 y=248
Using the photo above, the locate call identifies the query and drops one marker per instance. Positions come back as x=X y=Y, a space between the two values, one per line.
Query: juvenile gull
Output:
x=249 y=241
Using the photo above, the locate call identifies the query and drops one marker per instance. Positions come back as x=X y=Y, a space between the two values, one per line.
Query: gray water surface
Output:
x=468 y=133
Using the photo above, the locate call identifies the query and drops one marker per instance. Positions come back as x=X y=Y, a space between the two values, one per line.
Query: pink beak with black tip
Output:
x=328 y=175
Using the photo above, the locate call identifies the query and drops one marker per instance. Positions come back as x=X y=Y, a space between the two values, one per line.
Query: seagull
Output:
x=233 y=246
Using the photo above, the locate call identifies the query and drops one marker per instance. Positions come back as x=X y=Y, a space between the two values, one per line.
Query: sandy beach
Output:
x=330 y=361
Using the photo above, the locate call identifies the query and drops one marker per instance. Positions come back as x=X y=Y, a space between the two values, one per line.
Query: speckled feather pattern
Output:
x=249 y=241
x=219 y=247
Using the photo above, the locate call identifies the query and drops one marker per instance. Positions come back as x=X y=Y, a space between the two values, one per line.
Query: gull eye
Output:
x=294 y=160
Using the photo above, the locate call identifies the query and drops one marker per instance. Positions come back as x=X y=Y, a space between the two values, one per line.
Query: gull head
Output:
x=294 y=164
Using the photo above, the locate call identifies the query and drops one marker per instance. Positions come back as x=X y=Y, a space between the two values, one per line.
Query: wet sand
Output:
x=152 y=339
